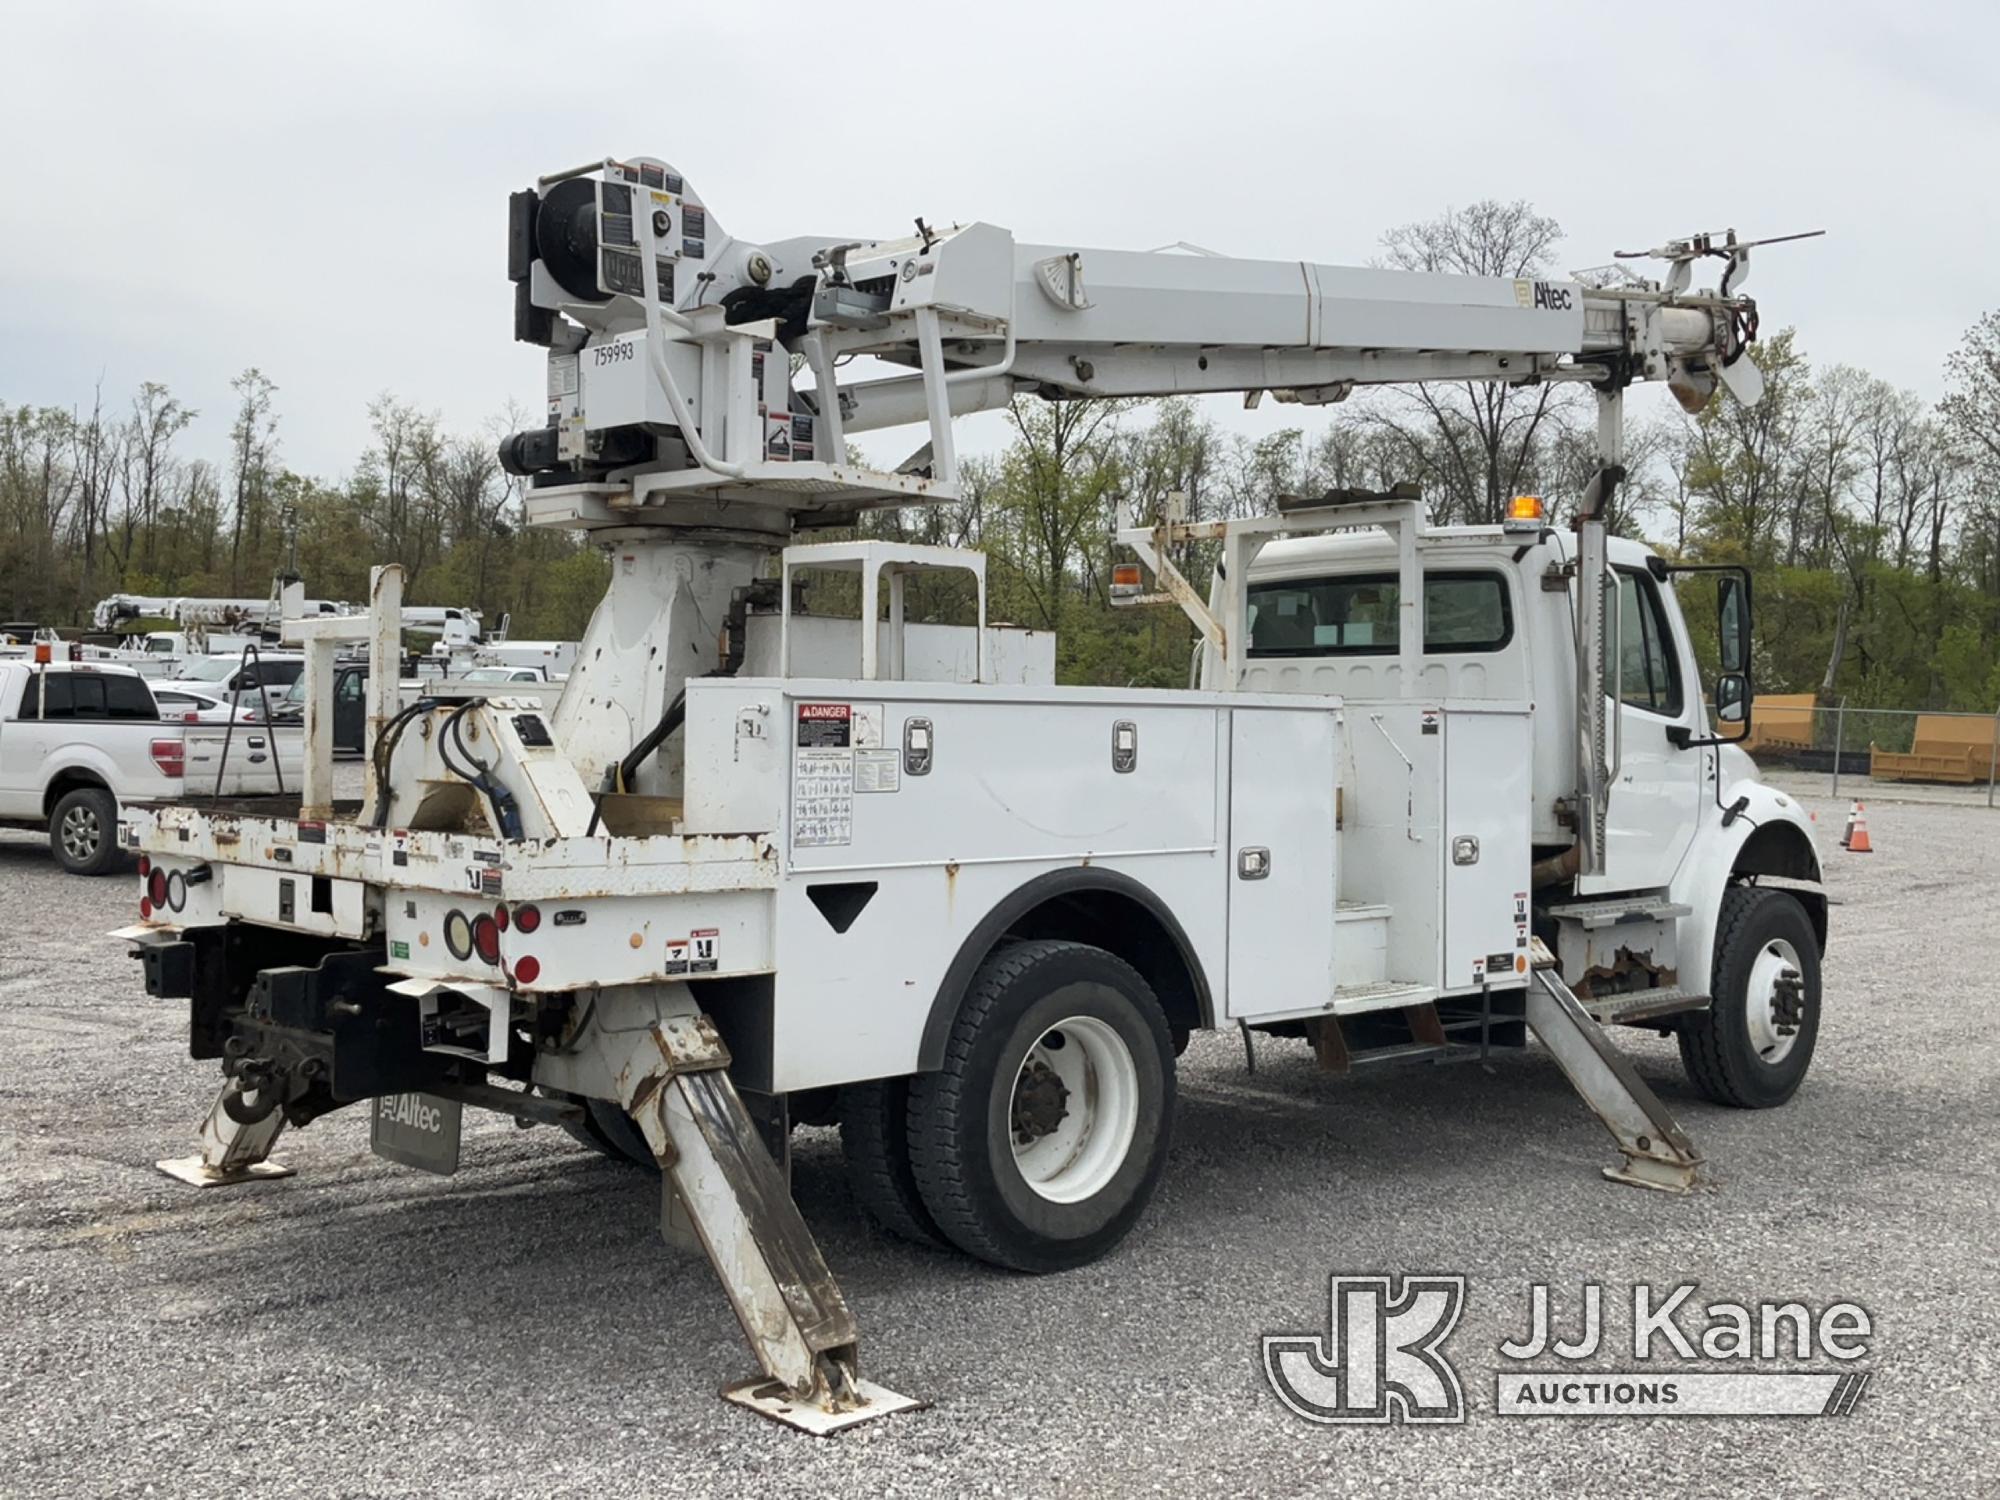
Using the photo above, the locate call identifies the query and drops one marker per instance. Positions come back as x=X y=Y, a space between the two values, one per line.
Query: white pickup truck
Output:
x=78 y=741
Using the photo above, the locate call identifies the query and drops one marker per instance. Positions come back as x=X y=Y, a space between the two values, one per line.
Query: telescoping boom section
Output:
x=760 y=864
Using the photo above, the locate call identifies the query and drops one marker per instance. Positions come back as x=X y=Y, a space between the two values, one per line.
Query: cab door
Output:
x=350 y=712
x=1657 y=789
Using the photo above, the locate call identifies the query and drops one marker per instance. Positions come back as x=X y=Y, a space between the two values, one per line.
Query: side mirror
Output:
x=1732 y=698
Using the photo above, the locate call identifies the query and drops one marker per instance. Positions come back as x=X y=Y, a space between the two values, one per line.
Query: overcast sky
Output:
x=320 y=190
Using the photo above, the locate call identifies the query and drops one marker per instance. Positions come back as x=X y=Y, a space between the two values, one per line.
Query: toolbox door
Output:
x=1489 y=804
x=1282 y=774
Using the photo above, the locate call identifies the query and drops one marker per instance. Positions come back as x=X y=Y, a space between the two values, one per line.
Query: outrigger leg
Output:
x=236 y=1142
x=715 y=1164
x=1657 y=1153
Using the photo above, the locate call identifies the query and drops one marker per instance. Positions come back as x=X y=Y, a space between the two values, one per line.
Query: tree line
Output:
x=1870 y=518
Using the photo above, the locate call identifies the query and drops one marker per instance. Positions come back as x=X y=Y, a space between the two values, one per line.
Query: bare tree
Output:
x=147 y=469
x=1971 y=415
x=253 y=444
x=1474 y=443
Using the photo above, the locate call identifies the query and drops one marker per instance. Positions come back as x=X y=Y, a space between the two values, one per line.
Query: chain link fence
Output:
x=1862 y=751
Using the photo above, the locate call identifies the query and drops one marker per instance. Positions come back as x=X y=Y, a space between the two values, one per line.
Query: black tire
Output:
x=874 y=1137
x=623 y=1132
x=83 y=832
x=961 y=1119
x=1717 y=1047
x=609 y=1131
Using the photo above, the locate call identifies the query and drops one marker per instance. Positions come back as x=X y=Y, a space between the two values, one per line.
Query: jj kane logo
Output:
x=1380 y=1361
x=1382 y=1358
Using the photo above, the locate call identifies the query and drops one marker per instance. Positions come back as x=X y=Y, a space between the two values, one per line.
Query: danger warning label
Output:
x=826 y=726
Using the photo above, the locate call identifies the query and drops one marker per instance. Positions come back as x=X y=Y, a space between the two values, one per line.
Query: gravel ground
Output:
x=366 y=1330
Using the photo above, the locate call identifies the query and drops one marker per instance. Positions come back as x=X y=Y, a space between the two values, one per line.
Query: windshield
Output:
x=492 y=674
x=296 y=693
x=210 y=668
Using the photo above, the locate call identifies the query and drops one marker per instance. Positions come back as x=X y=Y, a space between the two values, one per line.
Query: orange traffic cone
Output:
x=1855 y=840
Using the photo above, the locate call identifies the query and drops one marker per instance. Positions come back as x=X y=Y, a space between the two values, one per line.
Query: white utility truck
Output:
x=1439 y=788
x=79 y=741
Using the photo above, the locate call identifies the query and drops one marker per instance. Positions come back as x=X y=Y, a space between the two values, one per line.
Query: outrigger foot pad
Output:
x=773 y=1399
x=1657 y=1152
x=196 y=1172
x=236 y=1140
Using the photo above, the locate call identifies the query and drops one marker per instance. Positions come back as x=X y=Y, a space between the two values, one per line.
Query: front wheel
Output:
x=1039 y=1143
x=83 y=831
x=1752 y=1046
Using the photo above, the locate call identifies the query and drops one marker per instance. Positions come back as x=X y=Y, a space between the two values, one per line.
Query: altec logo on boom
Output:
x=1382 y=1358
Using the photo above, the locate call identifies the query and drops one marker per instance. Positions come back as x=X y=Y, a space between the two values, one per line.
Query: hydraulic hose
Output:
x=626 y=769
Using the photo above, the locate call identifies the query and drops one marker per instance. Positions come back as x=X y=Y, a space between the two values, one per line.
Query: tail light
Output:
x=528 y=969
x=156 y=888
x=170 y=756
x=500 y=917
x=145 y=867
x=486 y=939
x=527 y=918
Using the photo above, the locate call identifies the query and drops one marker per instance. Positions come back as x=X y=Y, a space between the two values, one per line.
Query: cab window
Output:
x=1650 y=669
x=86 y=695
x=1357 y=615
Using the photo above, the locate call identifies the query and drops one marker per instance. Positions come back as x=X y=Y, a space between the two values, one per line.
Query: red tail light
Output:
x=527 y=918
x=528 y=969
x=486 y=939
x=156 y=888
x=170 y=756
x=145 y=867
x=500 y=917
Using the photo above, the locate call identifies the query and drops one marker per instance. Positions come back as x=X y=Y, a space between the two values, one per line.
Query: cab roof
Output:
x=1348 y=551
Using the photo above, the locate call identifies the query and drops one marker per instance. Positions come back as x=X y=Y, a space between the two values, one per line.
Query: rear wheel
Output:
x=1752 y=1046
x=874 y=1137
x=1041 y=1140
x=608 y=1130
x=83 y=831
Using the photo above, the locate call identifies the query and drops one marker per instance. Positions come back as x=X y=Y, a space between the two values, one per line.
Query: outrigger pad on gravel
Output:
x=197 y=1173
x=770 y=1398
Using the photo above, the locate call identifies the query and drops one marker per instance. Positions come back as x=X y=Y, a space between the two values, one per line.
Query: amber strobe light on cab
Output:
x=1526 y=513
x=1126 y=583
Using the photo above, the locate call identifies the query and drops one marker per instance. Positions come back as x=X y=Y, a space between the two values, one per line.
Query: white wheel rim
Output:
x=79 y=833
x=1762 y=1001
x=1077 y=1155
